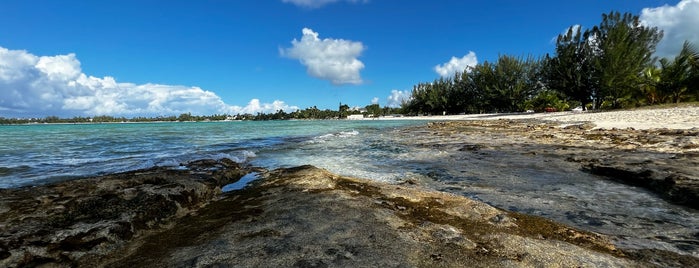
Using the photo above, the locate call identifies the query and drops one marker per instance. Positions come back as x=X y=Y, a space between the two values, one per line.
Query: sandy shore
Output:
x=672 y=118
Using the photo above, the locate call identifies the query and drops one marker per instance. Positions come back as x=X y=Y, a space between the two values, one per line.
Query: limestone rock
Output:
x=70 y=222
x=308 y=217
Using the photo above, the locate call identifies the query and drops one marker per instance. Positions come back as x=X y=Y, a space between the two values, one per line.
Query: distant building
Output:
x=355 y=117
x=358 y=109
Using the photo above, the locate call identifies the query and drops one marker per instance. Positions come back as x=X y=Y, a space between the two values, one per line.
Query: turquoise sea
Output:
x=388 y=151
x=41 y=153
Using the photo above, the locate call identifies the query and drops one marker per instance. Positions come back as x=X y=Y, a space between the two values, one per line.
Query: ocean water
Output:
x=388 y=151
x=42 y=153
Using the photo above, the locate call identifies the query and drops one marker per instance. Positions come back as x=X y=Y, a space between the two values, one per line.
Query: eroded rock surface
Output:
x=664 y=161
x=74 y=222
x=308 y=217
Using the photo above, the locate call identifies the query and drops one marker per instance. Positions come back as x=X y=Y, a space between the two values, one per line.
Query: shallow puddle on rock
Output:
x=240 y=184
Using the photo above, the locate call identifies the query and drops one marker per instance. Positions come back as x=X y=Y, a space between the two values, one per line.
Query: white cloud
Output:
x=679 y=23
x=329 y=59
x=375 y=100
x=254 y=107
x=457 y=65
x=397 y=98
x=318 y=3
x=55 y=85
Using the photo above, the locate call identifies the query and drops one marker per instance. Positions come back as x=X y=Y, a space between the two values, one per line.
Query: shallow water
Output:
x=34 y=154
x=508 y=177
x=241 y=183
x=539 y=185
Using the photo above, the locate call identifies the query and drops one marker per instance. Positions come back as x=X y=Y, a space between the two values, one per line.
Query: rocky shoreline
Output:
x=309 y=217
x=73 y=222
x=662 y=160
x=300 y=217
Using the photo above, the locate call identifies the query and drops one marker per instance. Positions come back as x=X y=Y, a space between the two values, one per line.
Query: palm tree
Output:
x=678 y=77
x=648 y=91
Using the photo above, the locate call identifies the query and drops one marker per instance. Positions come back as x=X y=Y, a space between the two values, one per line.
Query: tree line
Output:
x=372 y=110
x=608 y=66
x=112 y=119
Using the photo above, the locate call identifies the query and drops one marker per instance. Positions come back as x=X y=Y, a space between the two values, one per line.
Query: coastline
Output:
x=305 y=216
x=661 y=160
x=681 y=117
x=302 y=216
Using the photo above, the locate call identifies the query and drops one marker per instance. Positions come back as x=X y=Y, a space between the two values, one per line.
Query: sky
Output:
x=158 y=58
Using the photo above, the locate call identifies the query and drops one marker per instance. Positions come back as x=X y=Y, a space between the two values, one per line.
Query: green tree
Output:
x=547 y=99
x=505 y=85
x=344 y=110
x=570 y=70
x=465 y=95
x=678 y=78
x=648 y=91
x=185 y=117
x=621 y=49
x=480 y=81
x=374 y=109
x=422 y=99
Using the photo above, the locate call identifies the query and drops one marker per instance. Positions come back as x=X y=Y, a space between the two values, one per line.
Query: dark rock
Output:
x=659 y=258
x=308 y=217
x=471 y=147
x=662 y=160
x=676 y=188
x=582 y=126
x=296 y=217
x=79 y=221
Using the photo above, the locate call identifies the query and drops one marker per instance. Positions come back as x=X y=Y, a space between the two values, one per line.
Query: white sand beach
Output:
x=686 y=117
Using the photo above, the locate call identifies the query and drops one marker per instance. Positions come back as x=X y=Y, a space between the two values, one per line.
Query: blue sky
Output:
x=133 y=58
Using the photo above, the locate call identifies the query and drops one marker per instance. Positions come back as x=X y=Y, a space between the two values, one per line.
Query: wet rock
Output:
x=308 y=217
x=296 y=217
x=471 y=147
x=75 y=222
x=677 y=188
x=581 y=126
x=661 y=160
x=659 y=258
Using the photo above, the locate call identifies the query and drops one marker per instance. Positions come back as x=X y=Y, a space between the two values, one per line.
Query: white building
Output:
x=355 y=117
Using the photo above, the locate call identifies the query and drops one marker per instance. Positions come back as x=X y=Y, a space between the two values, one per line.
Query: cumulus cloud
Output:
x=397 y=98
x=318 y=3
x=375 y=100
x=679 y=23
x=254 y=106
x=33 y=85
x=456 y=64
x=334 y=60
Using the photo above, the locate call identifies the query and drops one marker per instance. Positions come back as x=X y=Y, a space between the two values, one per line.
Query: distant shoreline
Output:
x=684 y=117
x=126 y=122
x=680 y=117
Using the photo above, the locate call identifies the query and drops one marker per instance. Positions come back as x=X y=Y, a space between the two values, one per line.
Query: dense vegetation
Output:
x=373 y=110
x=606 y=67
